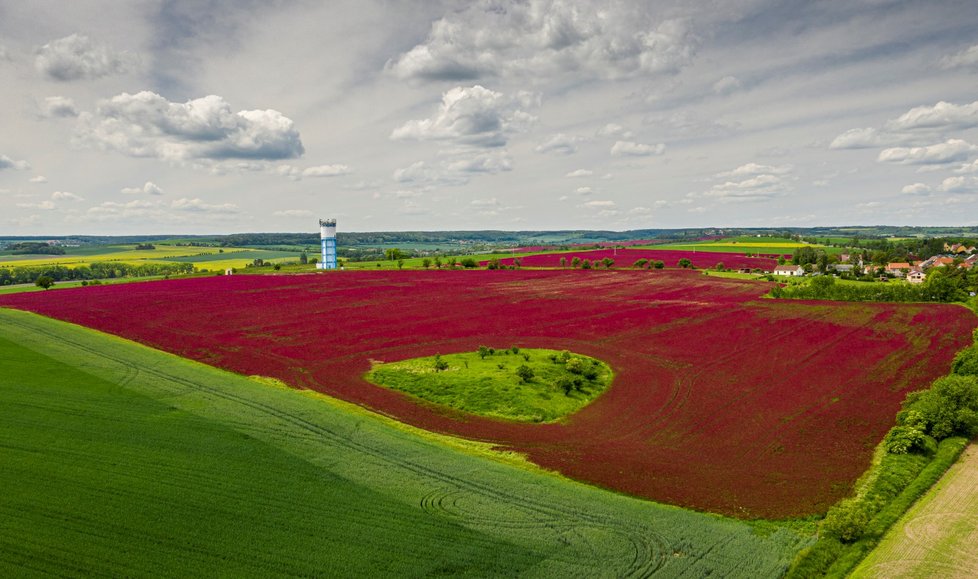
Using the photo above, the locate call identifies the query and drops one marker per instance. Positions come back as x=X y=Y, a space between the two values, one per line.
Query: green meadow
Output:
x=121 y=460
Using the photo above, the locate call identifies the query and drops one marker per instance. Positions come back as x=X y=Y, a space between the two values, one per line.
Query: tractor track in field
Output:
x=650 y=549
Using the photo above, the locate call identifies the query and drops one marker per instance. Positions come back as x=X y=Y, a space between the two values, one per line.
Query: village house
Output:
x=897 y=269
x=790 y=270
x=916 y=276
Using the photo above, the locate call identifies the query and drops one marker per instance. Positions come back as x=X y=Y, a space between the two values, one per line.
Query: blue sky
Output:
x=223 y=116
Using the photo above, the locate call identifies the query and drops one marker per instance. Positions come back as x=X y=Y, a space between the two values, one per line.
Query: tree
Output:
x=685 y=263
x=586 y=264
x=659 y=264
x=440 y=364
x=44 y=281
x=719 y=266
x=608 y=262
x=575 y=365
x=394 y=254
x=483 y=352
x=469 y=263
x=426 y=263
x=525 y=373
x=303 y=257
x=640 y=263
x=400 y=263
x=575 y=262
x=437 y=262
x=563 y=262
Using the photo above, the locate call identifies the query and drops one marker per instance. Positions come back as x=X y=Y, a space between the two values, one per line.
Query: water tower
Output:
x=327 y=234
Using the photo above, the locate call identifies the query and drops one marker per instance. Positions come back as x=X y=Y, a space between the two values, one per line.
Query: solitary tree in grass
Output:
x=440 y=364
x=525 y=373
x=426 y=263
x=483 y=352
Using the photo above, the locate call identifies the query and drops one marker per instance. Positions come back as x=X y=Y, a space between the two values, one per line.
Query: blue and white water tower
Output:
x=327 y=234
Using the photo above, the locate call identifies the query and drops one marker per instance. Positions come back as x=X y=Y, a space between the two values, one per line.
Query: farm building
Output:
x=916 y=276
x=897 y=269
x=792 y=270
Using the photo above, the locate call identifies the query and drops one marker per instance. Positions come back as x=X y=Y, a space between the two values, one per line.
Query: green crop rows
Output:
x=125 y=461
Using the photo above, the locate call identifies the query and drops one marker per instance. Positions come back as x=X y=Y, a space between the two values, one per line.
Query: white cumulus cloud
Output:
x=77 y=57
x=147 y=125
x=292 y=213
x=473 y=116
x=953 y=150
x=544 y=38
x=148 y=188
x=560 y=144
x=727 y=85
x=916 y=189
x=630 y=149
x=58 y=107
x=38 y=179
x=579 y=173
x=65 y=196
x=8 y=163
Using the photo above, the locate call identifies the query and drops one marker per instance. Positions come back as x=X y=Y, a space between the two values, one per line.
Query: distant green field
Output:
x=120 y=460
x=490 y=385
x=250 y=255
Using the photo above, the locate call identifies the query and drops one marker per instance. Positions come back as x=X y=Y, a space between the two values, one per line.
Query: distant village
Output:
x=955 y=255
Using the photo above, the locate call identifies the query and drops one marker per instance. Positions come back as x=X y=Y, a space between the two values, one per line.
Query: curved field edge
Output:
x=936 y=537
x=554 y=526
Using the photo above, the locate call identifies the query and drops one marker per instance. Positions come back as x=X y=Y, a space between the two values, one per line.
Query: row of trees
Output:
x=97 y=270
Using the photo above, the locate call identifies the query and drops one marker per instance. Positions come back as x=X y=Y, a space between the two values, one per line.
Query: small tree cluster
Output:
x=440 y=364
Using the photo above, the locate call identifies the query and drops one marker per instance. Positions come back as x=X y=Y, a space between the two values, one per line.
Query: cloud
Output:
x=147 y=125
x=296 y=173
x=293 y=213
x=487 y=163
x=584 y=190
x=751 y=182
x=542 y=38
x=863 y=138
x=962 y=184
x=560 y=144
x=474 y=116
x=579 y=173
x=38 y=179
x=953 y=150
x=149 y=188
x=916 y=189
x=630 y=149
x=967 y=58
x=455 y=170
x=943 y=116
x=727 y=85
x=58 y=107
x=65 y=196
x=598 y=205
x=756 y=169
x=614 y=130
x=8 y=163
x=46 y=205
x=196 y=205
x=78 y=57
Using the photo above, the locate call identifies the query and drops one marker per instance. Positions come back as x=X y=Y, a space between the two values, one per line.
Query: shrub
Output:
x=685 y=263
x=966 y=362
x=469 y=263
x=905 y=439
x=525 y=373
x=514 y=349
x=586 y=264
x=44 y=281
x=576 y=262
x=847 y=520
x=640 y=263
x=948 y=408
x=483 y=352
x=440 y=364
x=575 y=366
x=659 y=264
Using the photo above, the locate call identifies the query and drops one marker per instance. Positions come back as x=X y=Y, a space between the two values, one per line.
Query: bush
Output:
x=904 y=440
x=469 y=263
x=440 y=364
x=966 y=362
x=586 y=264
x=659 y=264
x=575 y=366
x=948 y=408
x=525 y=373
x=640 y=263
x=44 y=281
x=847 y=520
x=685 y=263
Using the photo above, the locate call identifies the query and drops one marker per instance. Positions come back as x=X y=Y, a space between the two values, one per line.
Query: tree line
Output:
x=97 y=270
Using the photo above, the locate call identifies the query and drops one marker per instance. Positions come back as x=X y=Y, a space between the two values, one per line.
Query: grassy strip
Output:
x=880 y=486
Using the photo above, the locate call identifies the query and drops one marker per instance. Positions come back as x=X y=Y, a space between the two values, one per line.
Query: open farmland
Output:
x=119 y=460
x=626 y=257
x=213 y=258
x=721 y=401
x=936 y=537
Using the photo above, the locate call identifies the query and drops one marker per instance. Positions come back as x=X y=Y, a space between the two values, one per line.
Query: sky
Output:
x=221 y=116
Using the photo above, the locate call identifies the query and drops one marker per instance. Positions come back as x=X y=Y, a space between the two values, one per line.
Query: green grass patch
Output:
x=121 y=460
x=521 y=384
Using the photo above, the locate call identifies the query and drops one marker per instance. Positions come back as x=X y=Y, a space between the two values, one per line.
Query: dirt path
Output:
x=937 y=536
